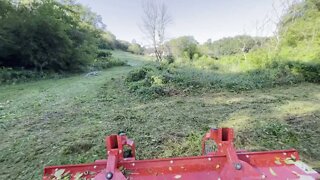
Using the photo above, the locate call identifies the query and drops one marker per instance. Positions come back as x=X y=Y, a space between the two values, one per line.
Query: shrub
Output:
x=231 y=45
x=135 y=48
x=188 y=76
x=185 y=46
x=104 y=54
x=151 y=78
x=206 y=62
x=104 y=63
x=138 y=74
x=150 y=81
x=47 y=35
x=169 y=59
x=309 y=71
x=9 y=75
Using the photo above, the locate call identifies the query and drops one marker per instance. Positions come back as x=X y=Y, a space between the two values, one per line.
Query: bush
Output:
x=310 y=72
x=237 y=81
x=138 y=74
x=158 y=79
x=185 y=46
x=150 y=81
x=135 y=48
x=9 y=75
x=104 y=54
x=169 y=59
x=206 y=62
x=104 y=63
x=47 y=35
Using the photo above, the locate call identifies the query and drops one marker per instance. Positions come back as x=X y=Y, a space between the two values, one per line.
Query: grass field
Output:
x=62 y=121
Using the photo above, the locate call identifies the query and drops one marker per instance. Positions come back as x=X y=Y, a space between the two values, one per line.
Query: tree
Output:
x=231 y=45
x=206 y=49
x=122 y=45
x=47 y=35
x=299 y=32
x=107 y=41
x=155 y=20
x=135 y=48
x=185 y=46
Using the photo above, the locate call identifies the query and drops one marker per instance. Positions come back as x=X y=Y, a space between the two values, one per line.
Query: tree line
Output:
x=296 y=37
x=50 y=35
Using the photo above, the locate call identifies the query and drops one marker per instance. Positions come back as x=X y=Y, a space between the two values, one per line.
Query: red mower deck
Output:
x=224 y=163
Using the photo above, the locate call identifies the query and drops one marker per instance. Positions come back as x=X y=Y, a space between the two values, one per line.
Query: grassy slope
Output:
x=64 y=121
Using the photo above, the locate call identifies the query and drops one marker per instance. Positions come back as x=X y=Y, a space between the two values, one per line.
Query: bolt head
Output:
x=109 y=175
x=238 y=166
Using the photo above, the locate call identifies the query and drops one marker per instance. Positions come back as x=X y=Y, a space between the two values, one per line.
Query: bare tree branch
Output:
x=155 y=20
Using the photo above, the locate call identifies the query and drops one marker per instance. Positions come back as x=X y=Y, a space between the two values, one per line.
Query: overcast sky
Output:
x=202 y=19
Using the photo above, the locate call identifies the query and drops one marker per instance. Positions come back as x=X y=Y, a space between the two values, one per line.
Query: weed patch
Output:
x=162 y=80
x=150 y=81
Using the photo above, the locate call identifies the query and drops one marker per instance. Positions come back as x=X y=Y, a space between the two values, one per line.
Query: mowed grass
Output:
x=64 y=121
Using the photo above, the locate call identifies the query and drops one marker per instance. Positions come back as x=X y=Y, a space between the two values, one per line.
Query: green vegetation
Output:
x=64 y=121
x=12 y=76
x=47 y=35
x=154 y=80
x=267 y=89
x=110 y=42
x=184 y=47
x=231 y=45
x=135 y=49
x=299 y=30
x=242 y=62
x=105 y=60
x=43 y=39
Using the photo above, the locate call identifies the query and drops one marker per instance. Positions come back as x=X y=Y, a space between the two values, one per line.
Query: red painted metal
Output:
x=224 y=163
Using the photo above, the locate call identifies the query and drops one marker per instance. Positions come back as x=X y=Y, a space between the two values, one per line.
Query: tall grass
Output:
x=234 y=73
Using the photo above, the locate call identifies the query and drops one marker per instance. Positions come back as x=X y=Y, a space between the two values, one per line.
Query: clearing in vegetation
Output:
x=52 y=122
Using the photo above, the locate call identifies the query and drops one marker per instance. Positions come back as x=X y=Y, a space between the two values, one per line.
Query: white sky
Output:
x=202 y=19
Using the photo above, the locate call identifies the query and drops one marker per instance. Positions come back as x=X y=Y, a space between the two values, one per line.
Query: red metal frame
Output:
x=225 y=163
